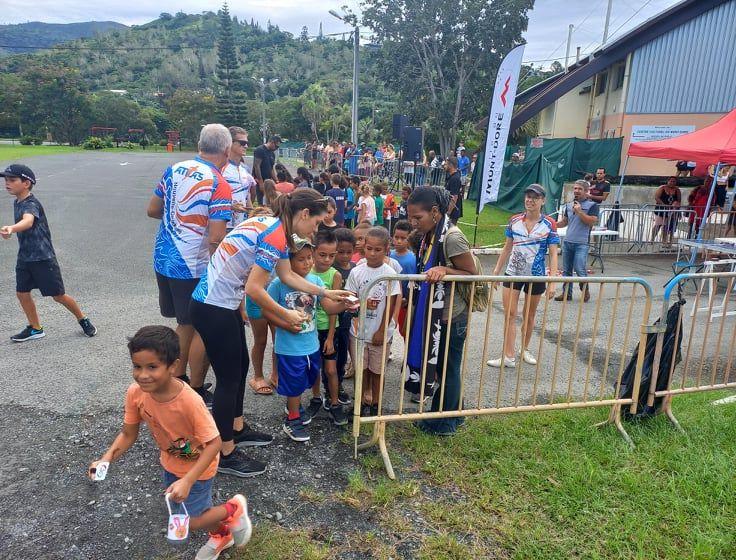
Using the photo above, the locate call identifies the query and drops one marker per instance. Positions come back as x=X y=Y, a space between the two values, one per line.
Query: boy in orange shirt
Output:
x=186 y=434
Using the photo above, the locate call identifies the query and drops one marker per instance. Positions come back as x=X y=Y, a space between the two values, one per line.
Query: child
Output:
x=298 y=354
x=185 y=433
x=408 y=261
x=329 y=222
x=360 y=230
x=322 y=185
x=390 y=208
x=36 y=266
x=403 y=213
x=337 y=193
x=270 y=194
x=285 y=183
x=350 y=193
x=378 y=199
x=366 y=205
x=343 y=264
x=325 y=250
x=382 y=299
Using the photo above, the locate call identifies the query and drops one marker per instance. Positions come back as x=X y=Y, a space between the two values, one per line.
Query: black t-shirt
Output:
x=455 y=186
x=597 y=189
x=344 y=319
x=268 y=159
x=319 y=187
x=34 y=244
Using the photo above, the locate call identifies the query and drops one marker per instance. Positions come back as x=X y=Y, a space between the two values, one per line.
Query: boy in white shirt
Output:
x=382 y=299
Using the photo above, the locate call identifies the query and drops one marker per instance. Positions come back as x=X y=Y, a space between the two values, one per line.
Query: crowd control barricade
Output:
x=639 y=229
x=580 y=347
x=704 y=359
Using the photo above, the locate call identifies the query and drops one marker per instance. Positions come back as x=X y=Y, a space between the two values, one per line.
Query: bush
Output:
x=128 y=146
x=163 y=143
x=95 y=143
x=28 y=140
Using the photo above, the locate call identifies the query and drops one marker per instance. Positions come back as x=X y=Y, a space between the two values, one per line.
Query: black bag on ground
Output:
x=671 y=346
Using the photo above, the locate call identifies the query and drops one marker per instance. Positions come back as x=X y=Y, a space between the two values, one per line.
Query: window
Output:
x=601 y=85
x=620 y=73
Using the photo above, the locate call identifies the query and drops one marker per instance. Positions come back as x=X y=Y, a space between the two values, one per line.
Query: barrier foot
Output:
x=671 y=416
x=379 y=438
x=614 y=417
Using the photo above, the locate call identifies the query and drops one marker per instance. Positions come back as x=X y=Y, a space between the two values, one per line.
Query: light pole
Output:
x=264 y=124
x=356 y=70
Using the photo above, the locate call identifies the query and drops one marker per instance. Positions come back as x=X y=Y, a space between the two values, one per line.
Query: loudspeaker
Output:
x=413 y=144
x=400 y=122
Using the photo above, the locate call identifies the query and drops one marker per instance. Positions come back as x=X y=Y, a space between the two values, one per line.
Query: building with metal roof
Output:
x=671 y=75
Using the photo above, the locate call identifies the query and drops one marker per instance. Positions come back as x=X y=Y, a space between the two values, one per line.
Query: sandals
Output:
x=262 y=388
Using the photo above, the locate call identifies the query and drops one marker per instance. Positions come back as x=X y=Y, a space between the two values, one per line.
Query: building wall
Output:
x=648 y=166
x=688 y=69
x=568 y=116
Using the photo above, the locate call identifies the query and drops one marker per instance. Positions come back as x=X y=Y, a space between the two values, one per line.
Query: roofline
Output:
x=535 y=99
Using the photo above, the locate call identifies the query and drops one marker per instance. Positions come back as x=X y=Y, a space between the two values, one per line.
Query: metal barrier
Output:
x=581 y=351
x=707 y=353
x=640 y=228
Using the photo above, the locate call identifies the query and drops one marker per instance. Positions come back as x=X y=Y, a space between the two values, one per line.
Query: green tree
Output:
x=115 y=111
x=442 y=57
x=189 y=111
x=230 y=98
x=314 y=105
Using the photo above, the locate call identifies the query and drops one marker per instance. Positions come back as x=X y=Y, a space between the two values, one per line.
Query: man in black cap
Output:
x=37 y=266
x=264 y=160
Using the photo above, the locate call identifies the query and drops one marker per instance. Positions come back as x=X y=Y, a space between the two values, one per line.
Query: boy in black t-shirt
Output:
x=36 y=266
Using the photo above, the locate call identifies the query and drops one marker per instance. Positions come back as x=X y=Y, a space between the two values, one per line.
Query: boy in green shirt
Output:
x=377 y=191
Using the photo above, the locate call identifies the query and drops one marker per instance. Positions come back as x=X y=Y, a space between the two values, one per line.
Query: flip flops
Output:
x=263 y=388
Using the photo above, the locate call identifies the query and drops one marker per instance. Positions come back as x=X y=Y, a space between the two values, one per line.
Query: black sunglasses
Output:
x=243 y=143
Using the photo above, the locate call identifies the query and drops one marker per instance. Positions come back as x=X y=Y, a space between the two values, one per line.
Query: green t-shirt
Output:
x=379 y=209
x=322 y=319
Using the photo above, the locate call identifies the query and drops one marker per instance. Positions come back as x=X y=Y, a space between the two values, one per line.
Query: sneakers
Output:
x=343 y=398
x=214 y=546
x=529 y=358
x=586 y=294
x=239 y=523
x=561 y=297
x=507 y=362
x=428 y=394
x=88 y=328
x=249 y=437
x=369 y=410
x=339 y=418
x=29 y=333
x=295 y=429
x=207 y=396
x=238 y=464
x=315 y=403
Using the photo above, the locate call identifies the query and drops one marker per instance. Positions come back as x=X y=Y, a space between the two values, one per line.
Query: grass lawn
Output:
x=539 y=485
x=491 y=224
x=13 y=152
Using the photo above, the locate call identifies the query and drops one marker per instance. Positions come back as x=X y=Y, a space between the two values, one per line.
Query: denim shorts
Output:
x=252 y=310
x=200 y=496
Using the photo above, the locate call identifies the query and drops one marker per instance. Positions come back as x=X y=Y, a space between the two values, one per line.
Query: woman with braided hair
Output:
x=443 y=251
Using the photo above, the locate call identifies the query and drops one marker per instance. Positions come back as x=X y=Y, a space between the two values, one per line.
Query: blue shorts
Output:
x=252 y=310
x=297 y=373
x=200 y=496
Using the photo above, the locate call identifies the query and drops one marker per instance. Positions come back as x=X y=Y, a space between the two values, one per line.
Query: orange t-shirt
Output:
x=285 y=187
x=180 y=427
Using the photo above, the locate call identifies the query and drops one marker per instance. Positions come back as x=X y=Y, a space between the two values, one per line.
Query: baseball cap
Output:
x=300 y=243
x=18 y=170
x=536 y=189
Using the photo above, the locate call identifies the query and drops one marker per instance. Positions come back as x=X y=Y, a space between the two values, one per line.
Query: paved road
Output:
x=62 y=395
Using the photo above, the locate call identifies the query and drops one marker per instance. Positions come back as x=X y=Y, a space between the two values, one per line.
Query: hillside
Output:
x=19 y=37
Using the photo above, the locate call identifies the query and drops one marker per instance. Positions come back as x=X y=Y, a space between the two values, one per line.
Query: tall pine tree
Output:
x=229 y=92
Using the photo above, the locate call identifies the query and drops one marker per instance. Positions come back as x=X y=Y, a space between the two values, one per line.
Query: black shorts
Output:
x=535 y=288
x=322 y=334
x=44 y=275
x=174 y=295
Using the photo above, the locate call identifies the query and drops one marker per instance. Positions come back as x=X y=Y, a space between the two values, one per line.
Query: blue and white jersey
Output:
x=530 y=247
x=241 y=182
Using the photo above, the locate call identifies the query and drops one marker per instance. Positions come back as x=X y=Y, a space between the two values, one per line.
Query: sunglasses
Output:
x=243 y=143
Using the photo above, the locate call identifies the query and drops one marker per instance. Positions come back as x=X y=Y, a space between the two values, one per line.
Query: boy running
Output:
x=37 y=266
x=186 y=435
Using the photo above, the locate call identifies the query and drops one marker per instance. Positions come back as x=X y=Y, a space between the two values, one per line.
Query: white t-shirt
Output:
x=240 y=181
x=370 y=208
x=360 y=277
x=393 y=263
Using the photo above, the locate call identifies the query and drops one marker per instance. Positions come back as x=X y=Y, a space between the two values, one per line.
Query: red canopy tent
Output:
x=714 y=144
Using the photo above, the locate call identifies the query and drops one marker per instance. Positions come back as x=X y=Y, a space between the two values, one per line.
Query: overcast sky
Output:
x=546 y=36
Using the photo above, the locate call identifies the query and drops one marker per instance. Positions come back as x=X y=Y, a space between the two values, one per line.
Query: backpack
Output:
x=482 y=296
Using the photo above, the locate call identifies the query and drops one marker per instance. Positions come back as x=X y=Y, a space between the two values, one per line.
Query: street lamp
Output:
x=264 y=124
x=356 y=63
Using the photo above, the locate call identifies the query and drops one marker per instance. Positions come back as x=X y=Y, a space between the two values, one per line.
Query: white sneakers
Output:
x=527 y=356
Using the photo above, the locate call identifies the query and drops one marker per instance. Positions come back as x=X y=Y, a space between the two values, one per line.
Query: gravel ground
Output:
x=63 y=395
